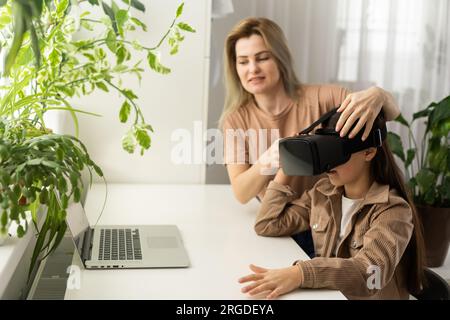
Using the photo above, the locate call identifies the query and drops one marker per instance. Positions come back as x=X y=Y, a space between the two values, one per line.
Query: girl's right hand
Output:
x=274 y=282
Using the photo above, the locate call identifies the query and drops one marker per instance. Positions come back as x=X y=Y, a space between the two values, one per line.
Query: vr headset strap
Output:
x=326 y=116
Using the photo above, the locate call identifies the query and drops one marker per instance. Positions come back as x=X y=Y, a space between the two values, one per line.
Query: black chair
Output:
x=436 y=289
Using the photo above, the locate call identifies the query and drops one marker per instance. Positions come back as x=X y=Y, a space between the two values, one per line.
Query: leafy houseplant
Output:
x=428 y=174
x=45 y=66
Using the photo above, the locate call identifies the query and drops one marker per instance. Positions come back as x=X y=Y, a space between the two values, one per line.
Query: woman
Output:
x=265 y=101
x=366 y=230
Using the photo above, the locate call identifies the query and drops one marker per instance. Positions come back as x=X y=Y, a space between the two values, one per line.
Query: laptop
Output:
x=125 y=246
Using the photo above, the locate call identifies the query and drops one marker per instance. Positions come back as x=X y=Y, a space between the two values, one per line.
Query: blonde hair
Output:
x=236 y=96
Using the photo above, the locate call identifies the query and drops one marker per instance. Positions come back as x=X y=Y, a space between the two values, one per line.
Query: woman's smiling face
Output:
x=256 y=66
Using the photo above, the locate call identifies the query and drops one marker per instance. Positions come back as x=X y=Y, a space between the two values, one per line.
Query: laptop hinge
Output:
x=87 y=244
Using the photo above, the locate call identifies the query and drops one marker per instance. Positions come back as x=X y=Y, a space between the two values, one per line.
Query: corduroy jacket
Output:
x=370 y=262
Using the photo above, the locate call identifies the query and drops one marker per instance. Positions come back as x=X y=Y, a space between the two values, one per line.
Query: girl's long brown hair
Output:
x=385 y=171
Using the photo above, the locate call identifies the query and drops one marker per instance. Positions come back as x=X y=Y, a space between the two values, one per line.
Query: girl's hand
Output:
x=276 y=281
x=363 y=105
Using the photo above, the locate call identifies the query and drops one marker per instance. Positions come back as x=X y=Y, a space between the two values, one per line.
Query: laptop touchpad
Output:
x=162 y=242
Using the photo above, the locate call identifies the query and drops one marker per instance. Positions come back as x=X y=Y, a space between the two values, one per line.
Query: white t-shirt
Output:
x=348 y=208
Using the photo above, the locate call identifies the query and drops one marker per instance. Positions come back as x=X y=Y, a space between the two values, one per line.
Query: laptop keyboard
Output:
x=120 y=244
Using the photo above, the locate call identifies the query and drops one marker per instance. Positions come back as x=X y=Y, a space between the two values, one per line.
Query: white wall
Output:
x=168 y=102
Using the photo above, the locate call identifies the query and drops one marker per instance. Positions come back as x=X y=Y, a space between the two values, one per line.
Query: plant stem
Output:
x=136 y=108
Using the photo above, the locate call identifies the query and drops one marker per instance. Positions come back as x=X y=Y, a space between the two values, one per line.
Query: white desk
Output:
x=217 y=232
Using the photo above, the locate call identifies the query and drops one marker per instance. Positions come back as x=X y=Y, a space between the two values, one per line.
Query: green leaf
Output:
x=55 y=57
x=43 y=196
x=20 y=231
x=147 y=127
x=441 y=112
x=3 y=2
x=425 y=179
x=410 y=154
x=128 y=142
x=438 y=159
x=121 y=19
x=102 y=86
x=88 y=26
x=129 y=94
x=421 y=114
x=139 y=23
x=62 y=184
x=395 y=143
x=35 y=162
x=401 y=119
x=114 y=6
x=20 y=18
x=120 y=68
x=124 y=112
x=174 y=50
x=97 y=170
x=4 y=20
x=93 y=2
x=64 y=201
x=111 y=41
x=143 y=138
x=180 y=10
x=188 y=28
x=4 y=218
x=138 y=5
x=76 y=195
x=89 y=56
x=110 y=13
x=62 y=6
x=35 y=45
x=122 y=54
x=50 y=164
x=155 y=65
x=441 y=129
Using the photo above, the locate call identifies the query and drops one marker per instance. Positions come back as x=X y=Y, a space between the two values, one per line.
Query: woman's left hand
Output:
x=276 y=281
x=363 y=105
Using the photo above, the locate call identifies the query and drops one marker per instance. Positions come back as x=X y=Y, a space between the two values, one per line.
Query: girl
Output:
x=366 y=232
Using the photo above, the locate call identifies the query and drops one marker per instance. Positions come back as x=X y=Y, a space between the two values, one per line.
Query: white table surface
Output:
x=217 y=232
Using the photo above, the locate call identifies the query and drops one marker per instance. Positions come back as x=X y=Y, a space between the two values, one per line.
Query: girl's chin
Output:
x=334 y=179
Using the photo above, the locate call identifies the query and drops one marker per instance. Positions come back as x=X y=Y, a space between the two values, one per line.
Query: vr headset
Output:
x=310 y=155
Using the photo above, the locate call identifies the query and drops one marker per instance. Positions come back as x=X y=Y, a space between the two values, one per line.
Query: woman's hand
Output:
x=276 y=281
x=364 y=106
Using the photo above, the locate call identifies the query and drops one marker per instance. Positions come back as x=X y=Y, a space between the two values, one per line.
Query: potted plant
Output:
x=45 y=66
x=427 y=169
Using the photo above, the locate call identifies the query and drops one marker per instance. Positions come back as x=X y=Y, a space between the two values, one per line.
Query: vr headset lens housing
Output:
x=310 y=155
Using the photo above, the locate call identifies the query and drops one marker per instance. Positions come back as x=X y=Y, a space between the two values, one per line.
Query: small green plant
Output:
x=428 y=167
x=40 y=168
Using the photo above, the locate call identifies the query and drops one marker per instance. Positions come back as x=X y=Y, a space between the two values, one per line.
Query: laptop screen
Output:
x=78 y=224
